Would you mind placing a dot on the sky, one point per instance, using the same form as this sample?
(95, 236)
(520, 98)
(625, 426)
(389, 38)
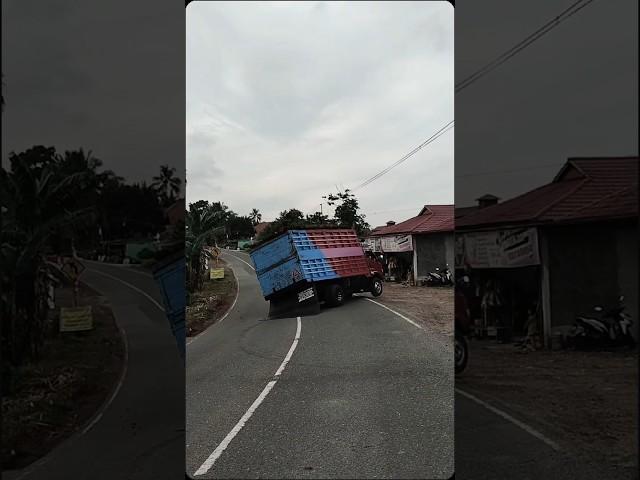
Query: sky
(572, 93)
(287, 102)
(104, 76)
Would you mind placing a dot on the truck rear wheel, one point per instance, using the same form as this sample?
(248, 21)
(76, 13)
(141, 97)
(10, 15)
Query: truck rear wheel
(336, 295)
(376, 287)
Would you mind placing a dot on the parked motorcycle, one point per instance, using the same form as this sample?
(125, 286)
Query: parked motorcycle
(440, 277)
(607, 328)
(462, 329)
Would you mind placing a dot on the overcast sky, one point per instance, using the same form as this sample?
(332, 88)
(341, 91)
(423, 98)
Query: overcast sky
(105, 76)
(572, 93)
(286, 101)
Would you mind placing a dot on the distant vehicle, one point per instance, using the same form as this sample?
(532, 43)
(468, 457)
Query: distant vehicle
(305, 266)
(170, 274)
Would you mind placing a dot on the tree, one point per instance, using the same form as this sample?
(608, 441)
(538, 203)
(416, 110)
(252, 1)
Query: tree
(167, 185)
(255, 216)
(202, 225)
(346, 213)
(319, 219)
(288, 219)
(239, 227)
(38, 204)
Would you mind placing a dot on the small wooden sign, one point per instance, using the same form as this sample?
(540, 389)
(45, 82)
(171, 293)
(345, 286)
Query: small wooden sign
(216, 273)
(76, 319)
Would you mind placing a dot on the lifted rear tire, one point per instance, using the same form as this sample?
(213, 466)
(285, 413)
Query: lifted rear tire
(376, 287)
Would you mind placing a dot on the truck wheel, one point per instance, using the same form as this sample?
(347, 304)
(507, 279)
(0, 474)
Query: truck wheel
(336, 295)
(376, 287)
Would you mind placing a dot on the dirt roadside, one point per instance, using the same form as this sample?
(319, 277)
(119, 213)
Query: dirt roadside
(212, 302)
(585, 401)
(59, 395)
(430, 306)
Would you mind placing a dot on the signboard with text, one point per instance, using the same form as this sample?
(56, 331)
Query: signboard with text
(517, 247)
(216, 273)
(396, 243)
(76, 319)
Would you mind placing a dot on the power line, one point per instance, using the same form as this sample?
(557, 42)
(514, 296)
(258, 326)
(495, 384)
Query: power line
(432, 138)
(499, 60)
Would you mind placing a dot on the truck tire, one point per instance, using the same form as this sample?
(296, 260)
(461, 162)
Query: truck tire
(336, 295)
(376, 287)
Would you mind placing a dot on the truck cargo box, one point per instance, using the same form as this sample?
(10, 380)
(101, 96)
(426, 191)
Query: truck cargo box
(299, 256)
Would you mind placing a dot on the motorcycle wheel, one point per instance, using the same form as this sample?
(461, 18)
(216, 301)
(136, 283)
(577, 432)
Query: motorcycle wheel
(461, 353)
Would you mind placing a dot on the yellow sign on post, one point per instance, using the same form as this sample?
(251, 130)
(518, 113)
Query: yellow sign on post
(76, 319)
(216, 273)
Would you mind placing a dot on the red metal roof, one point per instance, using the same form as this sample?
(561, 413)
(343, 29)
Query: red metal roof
(584, 189)
(431, 219)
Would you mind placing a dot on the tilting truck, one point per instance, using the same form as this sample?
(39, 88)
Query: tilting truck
(300, 269)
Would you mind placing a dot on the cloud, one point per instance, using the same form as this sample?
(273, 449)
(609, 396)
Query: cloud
(290, 100)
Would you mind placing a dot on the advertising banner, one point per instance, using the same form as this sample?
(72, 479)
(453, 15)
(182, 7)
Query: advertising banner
(517, 247)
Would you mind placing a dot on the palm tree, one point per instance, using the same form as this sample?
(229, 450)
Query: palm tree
(167, 185)
(255, 216)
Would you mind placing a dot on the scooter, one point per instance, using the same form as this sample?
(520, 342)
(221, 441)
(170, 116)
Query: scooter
(609, 328)
(440, 278)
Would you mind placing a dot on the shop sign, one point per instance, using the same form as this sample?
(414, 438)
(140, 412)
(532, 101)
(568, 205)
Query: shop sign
(396, 243)
(517, 247)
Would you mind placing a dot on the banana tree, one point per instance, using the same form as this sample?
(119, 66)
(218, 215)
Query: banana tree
(202, 228)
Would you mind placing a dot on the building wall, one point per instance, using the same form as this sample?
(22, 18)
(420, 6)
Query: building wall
(585, 268)
(433, 250)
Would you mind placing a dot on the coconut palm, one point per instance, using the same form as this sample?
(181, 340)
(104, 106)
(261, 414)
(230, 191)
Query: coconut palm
(167, 185)
(255, 216)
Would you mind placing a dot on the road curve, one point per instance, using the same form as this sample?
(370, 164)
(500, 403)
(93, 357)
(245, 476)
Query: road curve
(364, 394)
(140, 434)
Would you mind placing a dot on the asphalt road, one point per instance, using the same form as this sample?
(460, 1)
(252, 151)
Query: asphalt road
(140, 434)
(365, 394)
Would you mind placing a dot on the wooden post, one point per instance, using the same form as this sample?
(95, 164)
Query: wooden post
(545, 289)
(75, 293)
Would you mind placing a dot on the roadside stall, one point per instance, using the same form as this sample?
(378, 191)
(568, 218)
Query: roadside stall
(504, 269)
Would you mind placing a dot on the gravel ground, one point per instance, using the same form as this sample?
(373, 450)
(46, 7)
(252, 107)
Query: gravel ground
(430, 306)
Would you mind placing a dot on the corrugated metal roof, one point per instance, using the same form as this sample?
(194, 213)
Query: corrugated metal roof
(584, 189)
(431, 219)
